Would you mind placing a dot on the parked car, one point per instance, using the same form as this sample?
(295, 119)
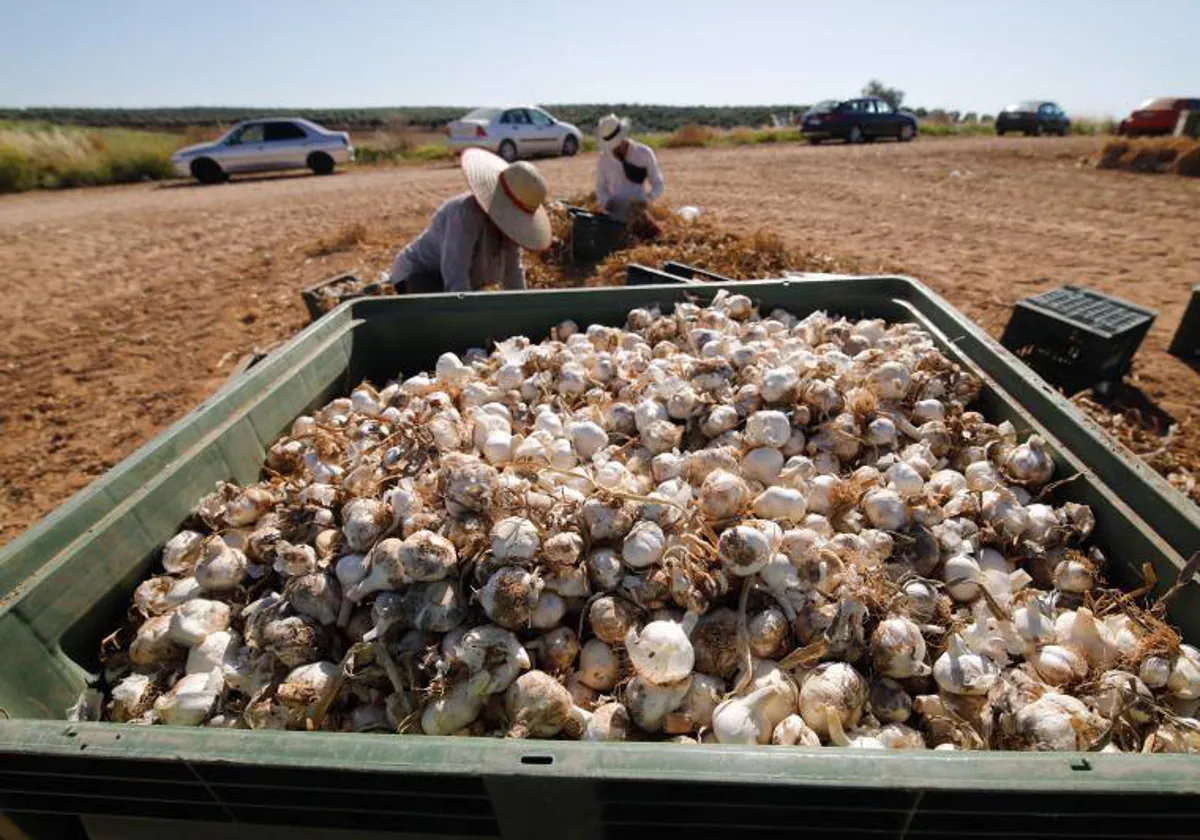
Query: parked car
(1033, 117)
(516, 132)
(1157, 116)
(264, 146)
(856, 120)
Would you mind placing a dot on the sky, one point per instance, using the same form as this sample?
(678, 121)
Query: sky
(1094, 58)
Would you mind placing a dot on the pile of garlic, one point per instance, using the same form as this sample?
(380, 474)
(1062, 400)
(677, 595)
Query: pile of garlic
(709, 526)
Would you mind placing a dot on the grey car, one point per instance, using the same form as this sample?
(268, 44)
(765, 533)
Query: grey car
(265, 146)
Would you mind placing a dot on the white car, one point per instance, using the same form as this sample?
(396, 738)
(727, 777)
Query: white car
(265, 145)
(515, 132)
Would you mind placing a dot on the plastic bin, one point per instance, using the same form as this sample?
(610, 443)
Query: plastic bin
(1186, 343)
(644, 275)
(1077, 338)
(593, 236)
(321, 297)
(67, 582)
(690, 272)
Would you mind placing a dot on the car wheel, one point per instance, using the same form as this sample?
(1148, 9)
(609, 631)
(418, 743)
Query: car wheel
(320, 163)
(508, 150)
(906, 133)
(999, 132)
(814, 141)
(570, 146)
(855, 136)
(207, 171)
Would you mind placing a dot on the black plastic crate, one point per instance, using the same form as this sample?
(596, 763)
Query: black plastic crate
(642, 275)
(1186, 343)
(324, 296)
(593, 236)
(1077, 338)
(690, 272)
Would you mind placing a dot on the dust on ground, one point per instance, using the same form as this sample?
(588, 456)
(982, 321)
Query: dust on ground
(125, 307)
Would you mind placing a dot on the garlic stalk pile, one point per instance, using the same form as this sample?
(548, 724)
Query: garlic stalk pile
(705, 526)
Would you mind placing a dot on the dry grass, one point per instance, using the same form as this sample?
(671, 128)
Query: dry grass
(38, 155)
(660, 236)
(347, 238)
(690, 136)
(1155, 155)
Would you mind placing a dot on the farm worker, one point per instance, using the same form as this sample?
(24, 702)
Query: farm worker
(628, 172)
(475, 239)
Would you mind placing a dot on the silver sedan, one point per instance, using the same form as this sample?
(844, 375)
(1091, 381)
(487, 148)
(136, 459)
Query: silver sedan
(264, 146)
(522, 131)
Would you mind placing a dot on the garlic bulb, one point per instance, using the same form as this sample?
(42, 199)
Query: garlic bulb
(962, 574)
(780, 504)
(959, 671)
(548, 611)
(1121, 693)
(195, 619)
(792, 731)
(643, 546)
(723, 495)
(217, 650)
(181, 553)
(509, 597)
(190, 700)
(752, 719)
(558, 650)
(363, 520)
(1184, 682)
(763, 465)
(898, 648)
(1055, 722)
(220, 568)
(599, 667)
(650, 703)
(661, 653)
(885, 509)
(1075, 576)
(768, 631)
(537, 706)
(458, 707)
(1155, 671)
(695, 711)
(888, 701)
(131, 698)
(1058, 665)
(744, 550)
(515, 539)
(493, 650)
(1029, 462)
(768, 428)
(832, 689)
(611, 619)
(609, 722)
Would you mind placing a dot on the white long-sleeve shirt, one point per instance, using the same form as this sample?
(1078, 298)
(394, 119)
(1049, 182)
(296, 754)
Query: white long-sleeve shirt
(611, 182)
(462, 246)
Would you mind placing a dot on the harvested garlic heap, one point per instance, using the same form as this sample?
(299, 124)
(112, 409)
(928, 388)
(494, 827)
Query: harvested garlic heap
(708, 526)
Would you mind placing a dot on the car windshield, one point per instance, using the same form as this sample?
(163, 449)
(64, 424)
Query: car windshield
(824, 107)
(1157, 105)
(1027, 105)
(482, 114)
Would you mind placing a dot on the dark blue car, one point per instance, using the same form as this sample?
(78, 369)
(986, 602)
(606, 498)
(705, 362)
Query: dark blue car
(857, 121)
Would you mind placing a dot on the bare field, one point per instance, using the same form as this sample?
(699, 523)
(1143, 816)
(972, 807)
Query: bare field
(124, 307)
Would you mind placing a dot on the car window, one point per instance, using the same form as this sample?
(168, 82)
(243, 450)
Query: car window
(516, 116)
(882, 107)
(276, 131)
(481, 114)
(539, 117)
(252, 133)
(824, 107)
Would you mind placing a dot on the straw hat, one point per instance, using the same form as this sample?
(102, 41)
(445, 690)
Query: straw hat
(512, 195)
(611, 130)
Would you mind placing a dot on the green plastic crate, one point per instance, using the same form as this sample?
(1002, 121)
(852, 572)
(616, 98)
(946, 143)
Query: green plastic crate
(67, 582)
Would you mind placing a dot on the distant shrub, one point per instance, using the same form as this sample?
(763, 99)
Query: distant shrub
(689, 136)
(37, 155)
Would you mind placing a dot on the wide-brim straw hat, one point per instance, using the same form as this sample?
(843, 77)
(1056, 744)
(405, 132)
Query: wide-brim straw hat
(512, 195)
(611, 130)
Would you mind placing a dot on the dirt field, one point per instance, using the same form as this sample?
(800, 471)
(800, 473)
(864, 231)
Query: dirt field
(125, 307)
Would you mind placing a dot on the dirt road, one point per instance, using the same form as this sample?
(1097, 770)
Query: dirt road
(124, 307)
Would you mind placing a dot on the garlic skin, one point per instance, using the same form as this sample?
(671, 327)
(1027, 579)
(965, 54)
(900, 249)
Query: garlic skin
(492, 650)
(509, 597)
(661, 653)
(220, 568)
(649, 703)
(885, 509)
(1058, 665)
(723, 495)
(1054, 723)
(832, 689)
(181, 553)
(609, 722)
(744, 550)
